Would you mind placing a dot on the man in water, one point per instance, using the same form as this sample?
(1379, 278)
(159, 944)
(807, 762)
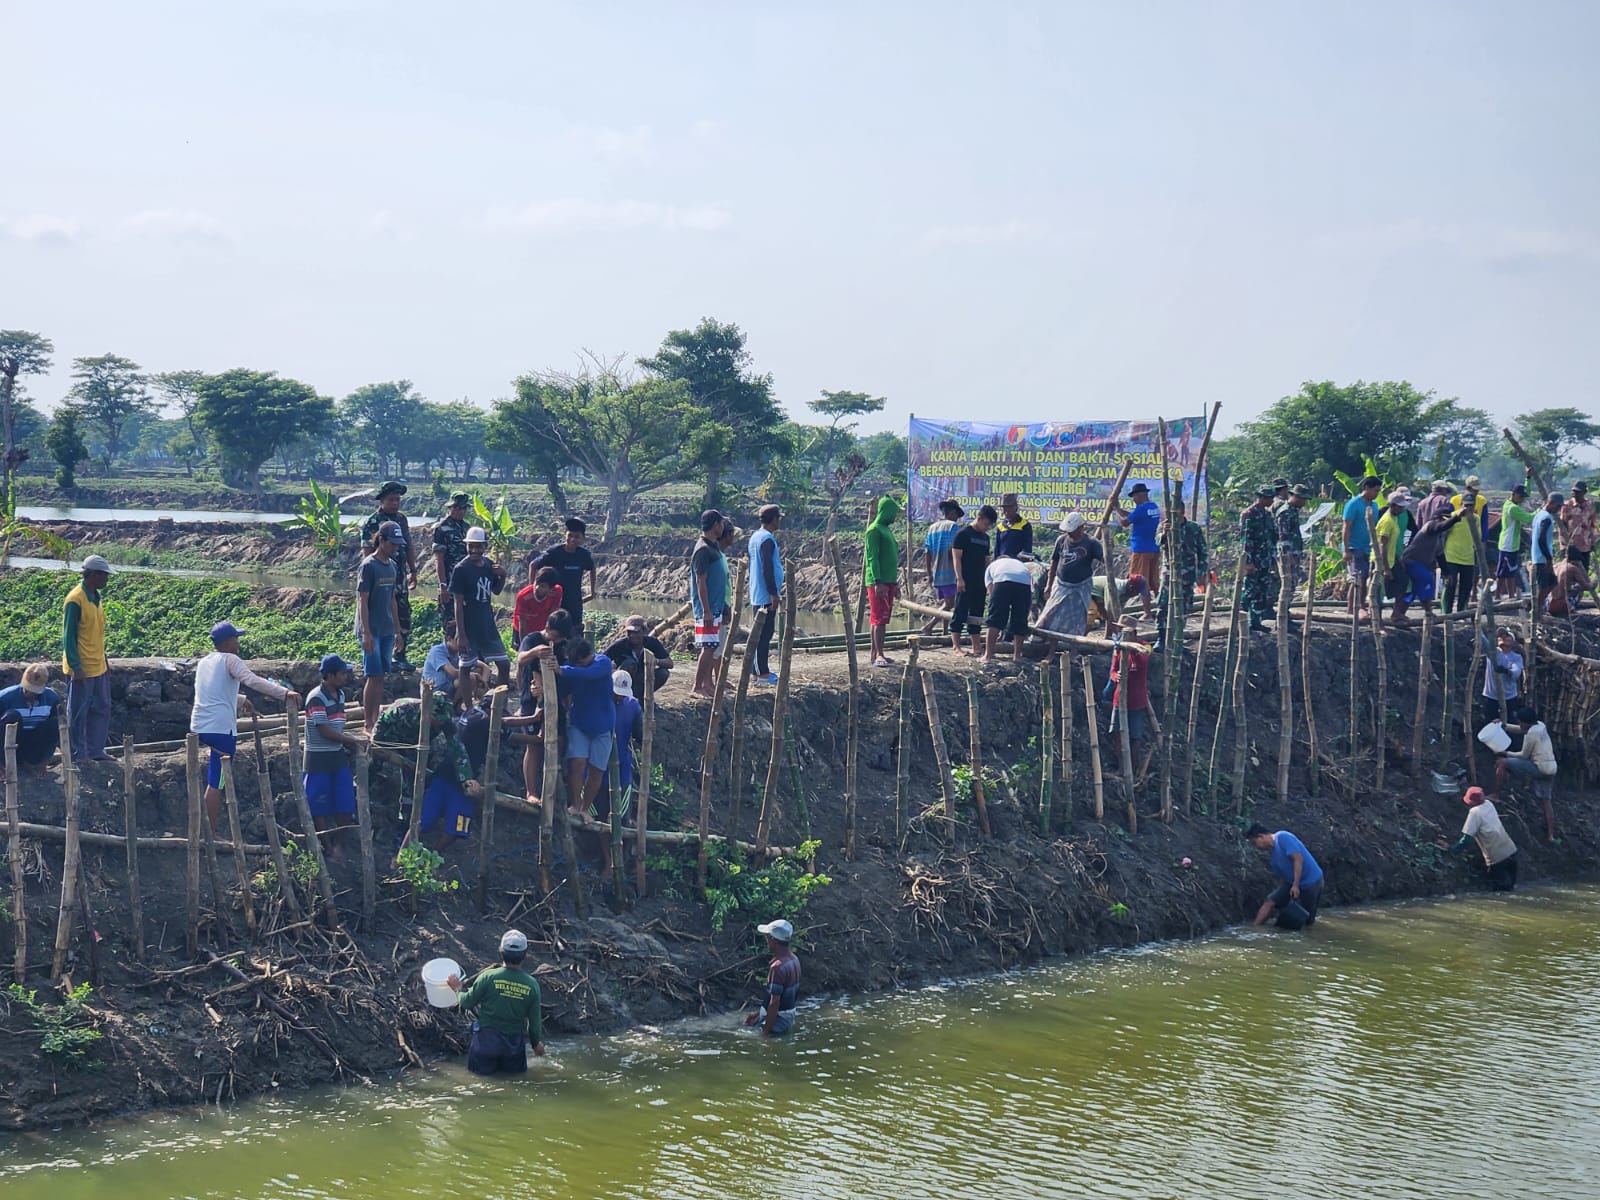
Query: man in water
(775, 1013)
(509, 1017)
(1483, 827)
(1292, 863)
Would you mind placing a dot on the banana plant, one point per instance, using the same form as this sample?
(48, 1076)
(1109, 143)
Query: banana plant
(13, 527)
(319, 515)
(499, 525)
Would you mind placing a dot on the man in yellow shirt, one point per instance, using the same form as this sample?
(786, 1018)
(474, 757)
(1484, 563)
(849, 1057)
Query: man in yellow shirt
(1461, 548)
(1391, 530)
(83, 658)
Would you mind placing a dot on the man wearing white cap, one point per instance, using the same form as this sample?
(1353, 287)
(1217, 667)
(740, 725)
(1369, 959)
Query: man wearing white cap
(509, 1014)
(474, 583)
(1066, 608)
(775, 1013)
(83, 658)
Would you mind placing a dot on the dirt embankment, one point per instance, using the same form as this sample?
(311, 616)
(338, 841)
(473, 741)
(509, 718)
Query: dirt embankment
(916, 905)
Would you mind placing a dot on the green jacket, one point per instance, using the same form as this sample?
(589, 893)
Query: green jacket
(882, 550)
(507, 999)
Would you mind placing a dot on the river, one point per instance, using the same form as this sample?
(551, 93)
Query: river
(1429, 1050)
(203, 516)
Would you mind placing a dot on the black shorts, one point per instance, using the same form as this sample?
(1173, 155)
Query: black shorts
(1581, 557)
(968, 610)
(493, 1052)
(1503, 874)
(1008, 608)
(1544, 574)
(1310, 898)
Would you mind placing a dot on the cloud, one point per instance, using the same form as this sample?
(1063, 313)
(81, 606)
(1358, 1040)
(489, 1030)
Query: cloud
(1006, 233)
(636, 147)
(175, 225)
(1505, 247)
(384, 224)
(46, 230)
(603, 216)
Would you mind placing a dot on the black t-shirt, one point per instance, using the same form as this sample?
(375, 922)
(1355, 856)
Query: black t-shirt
(472, 728)
(476, 582)
(1074, 561)
(572, 565)
(623, 655)
(974, 547)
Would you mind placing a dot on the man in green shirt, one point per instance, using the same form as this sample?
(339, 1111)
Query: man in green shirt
(881, 560)
(508, 1015)
(1513, 520)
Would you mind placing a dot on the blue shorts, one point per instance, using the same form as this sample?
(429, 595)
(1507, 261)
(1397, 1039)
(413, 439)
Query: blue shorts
(595, 747)
(1517, 765)
(444, 802)
(222, 745)
(485, 645)
(380, 658)
(329, 793)
(1508, 565)
(1360, 564)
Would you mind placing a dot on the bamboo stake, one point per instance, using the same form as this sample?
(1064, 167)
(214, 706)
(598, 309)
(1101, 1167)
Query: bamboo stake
(780, 705)
(1424, 682)
(118, 841)
(619, 872)
(419, 775)
(269, 816)
(569, 847)
(491, 771)
(1466, 704)
(192, 861)
(1194, 701)
(552, 773)
(641, 818)
(1355, 638)
(1066, 737)
(1305, 679)
(19, 881)
(1169, 637)
(1533, 471)
(239, 864)
(69, 870)
(902, 770)
(736, 773)
(296, 772)
(947, 779)
(130, 829)
(1047, 733)
(1091, 719)
(1285, 682)
(853, 705)
(975, 755)
(1449, 683)
(708, 760)
(1241, 741)
(369, 866)
(662, 626)
(1093, 645)
(1381, 657)
(791, 754)
(1228, 660)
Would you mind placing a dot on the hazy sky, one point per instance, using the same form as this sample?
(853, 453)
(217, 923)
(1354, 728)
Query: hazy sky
(997, 211)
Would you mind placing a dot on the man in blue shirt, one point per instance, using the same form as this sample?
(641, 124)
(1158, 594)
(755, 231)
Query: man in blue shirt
(1142, 521)
(32, 706)
(1544, 549)
(1291, 862)
(1358, 540)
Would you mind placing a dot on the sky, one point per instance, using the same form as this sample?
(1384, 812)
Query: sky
(988, 211)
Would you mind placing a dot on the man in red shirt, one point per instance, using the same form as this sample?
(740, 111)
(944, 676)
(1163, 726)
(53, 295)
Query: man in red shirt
(535, 603)
(1137, 666)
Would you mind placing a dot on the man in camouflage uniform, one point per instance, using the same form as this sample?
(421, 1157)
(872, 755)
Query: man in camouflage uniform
(1194, 564)
(450, 547)
(1258, 531)
(389, 510)
(1291, 542)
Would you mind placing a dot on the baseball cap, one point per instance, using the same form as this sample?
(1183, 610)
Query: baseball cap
(223, 630)
(1473, 481)
(459, 498)
(96, 562)
(1072, 522)
(1443, 485)
(1519, 490)
(476, 534)
(621, 684)
(390, 531)
(513, 940)
(1395, 497)
(332, 663)
(635, 624)
(780, 930)
(709, 518)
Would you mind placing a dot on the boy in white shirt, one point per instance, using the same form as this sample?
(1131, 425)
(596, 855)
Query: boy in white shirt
(217, 705)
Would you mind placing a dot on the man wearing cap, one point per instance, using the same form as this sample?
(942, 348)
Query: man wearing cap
(766, 590)
(1535, 760)
(329, 781)
(1142, 521)
(629, 651)
(1194, 566)
(629, 732)
(1292, 863)
(1258, 533)
(378, 615)
(970, 552)
(31, 705)
(1014, 535)
(1066, 608)
(217, 705)
(940, 561)
(389, 512)
(83, 659)
(572, 561)
(509, 1017)
(1578, 523)
(1391, 531)
(1514, 518)
(1436, 503)
(1357, 541)
(473, 585)
(776, 1010)
(1462, 545)
(708, 596)
(1418, 561)
(1291, 542)
(450, 546)
(1484, 827)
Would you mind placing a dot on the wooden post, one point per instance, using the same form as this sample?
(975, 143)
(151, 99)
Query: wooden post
(491, 772)
(1472, 675)
(1124, 742)
(569, 847)
(549, 791)
(1305, 677)
(619, 873)
(19, 881)
(791, 755)
(1533, 471)
(313, 842)
(975, 756)
(708, 760)
(1091, 713)
(130, 829)
(902, 769)
(1355, 687)
(1066, 736)
(236, 835)
(1449, 672)
(419, 776)
(369, 866)
(1285, 682)
(641, 819)
(1228, 656)
(947, 780)
(852, 702)
(1170, 626)
(1194, 700)
(1380, 737)
(741, 693)
(69, 870)
(1047, 734)
(191, 873)
(1241, 742)
(269, 816)
(1424, 683)
(780, 705)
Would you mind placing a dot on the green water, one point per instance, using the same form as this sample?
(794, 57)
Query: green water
(1429, 1050)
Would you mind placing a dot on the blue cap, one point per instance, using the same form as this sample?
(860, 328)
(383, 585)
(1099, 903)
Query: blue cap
(223, 630)
(390, 531)
(332, 663)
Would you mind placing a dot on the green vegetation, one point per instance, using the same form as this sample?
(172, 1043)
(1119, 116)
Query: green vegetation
(302, 871)
(67, 447)
(68, 1034)
(419, 868)
(782, 887)
(318, 514)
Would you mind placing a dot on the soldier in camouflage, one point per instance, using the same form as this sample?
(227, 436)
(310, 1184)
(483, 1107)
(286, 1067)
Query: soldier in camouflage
(450, 546)
(1291, 542)
(1259, 533)
(1194, 564)
(389, 510)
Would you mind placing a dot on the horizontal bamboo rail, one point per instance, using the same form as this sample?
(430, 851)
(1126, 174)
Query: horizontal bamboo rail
(57, 833)
(1096, 645)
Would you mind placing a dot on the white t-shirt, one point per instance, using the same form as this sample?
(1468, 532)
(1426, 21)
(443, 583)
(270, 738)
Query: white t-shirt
(1007, 570)
(216, 692)
(1536, 745)
(1483, 825)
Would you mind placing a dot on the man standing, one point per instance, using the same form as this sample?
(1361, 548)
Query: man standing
(509, 1016)
(450, 547)
(1014, 537)
(474, 584)
(765, 589)
(591, 721)
(217, 705)
(1579, 523)
(940, 563)
(1513, 520)
(1066, 608)
(1494, 843)
(31, 706)
(389, 513)
(1436, 503)
(1536, 760)
(328, 780)
(573, 560)
(1194, 565)
(1010, 589)
(708, 595)
(1292, 863)
(970, 553)
(1391, 530)
(1280, 493)
(1142, 521)
(1544, 549)
(1258, 532)
(1571, 583)
(881, 573)
(1418, 560)
(535, 603)
(1291, 542)
(629, 651)
(1132, 666)
(1357, 541)
(1461, 547)
(378, 616)
(776, 1010)
(83, 658)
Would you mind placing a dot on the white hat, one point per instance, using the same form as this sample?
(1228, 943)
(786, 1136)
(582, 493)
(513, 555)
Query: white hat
(513, 940)
(1072, 522)
(475, 534)
(96, 563)
(622, 684)
(779, 930)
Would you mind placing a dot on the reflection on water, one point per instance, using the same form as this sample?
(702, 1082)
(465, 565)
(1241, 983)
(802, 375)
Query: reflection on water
(1430, 1050)
(207, 516)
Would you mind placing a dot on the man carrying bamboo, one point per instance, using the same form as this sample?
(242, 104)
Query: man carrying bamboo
(1258, 532)
(217, 705)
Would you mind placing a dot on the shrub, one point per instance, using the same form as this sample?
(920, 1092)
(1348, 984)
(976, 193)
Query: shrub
(68, 1036)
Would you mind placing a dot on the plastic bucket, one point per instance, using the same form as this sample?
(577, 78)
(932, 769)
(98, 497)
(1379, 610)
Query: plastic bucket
(1293, 915)
(434, 974)
(1495, 737)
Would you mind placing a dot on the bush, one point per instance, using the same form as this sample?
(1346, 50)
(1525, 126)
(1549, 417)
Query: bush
(781, 888)
(68, 1036)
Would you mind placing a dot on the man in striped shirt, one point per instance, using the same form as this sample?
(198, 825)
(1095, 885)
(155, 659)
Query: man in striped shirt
(775, 1013)
(329, 781)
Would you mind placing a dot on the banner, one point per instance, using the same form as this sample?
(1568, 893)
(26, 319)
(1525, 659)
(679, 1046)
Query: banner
(1054, 467)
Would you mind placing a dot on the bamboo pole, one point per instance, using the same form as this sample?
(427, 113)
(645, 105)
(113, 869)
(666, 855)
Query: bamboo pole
(269, 816)
(1449, 682)
(975, 755)
(1355, 650)
(1313, 762)
(641, 818)
(1424, 683)
(1228, 659)
(1194, 700)
(1285, 682)
(741, 694)
(192, 860)
(549, 798)
(369, 867)
(1047, 733)
(853, 704)
(662, 626)
(1066, 737)
(1241, 671)
(780, 705)
(791, 754)
(619, 873)
(941, 756)
(130, 829)
(118, 841)
(419, 775)
(1527, 461)
(19, 880)
(902, 769)
(1091, 719)
(296, 773)
(708, 759)
(69, 870)
(1169, 638)
(569, 847)
(1093, 645)
(239, 865)
(1380, 736)
(491, 771)
(1466, 705)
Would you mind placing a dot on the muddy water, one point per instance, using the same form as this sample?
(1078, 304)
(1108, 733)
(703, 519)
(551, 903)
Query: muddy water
(1429, 1050)
(206, 516)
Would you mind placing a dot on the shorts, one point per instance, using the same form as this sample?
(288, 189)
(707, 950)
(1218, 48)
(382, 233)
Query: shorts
(880, 602)
(1310, 899)
(1544, 574)
(1508, 565)
(1360, 564)
(445, 805)
(1581, 557)
(331, 793)
(1148, 564)
(945, 591)
(494, 1053)
(1503, 874)
(708, 632)
(1422, 582)
(378, 660)
(222, 745)
(1526, 767)
(1136, 721)
(785, 1021)
(968, 610)
(485, 645)
(1008, 608)
(594, 747)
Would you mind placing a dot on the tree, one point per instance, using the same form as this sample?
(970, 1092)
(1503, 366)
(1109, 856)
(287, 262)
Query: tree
(109, 393)
(838, 436)
(1550, 435)
(180, 391)
(461, 425)
(66, 446)
(387, 417)
(1460, 442)
(711, 359)
(250, 415)
(22, 352)
(511, 434)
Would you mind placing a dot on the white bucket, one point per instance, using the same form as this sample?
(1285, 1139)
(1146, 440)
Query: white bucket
(1495, 737)
(434, 974)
